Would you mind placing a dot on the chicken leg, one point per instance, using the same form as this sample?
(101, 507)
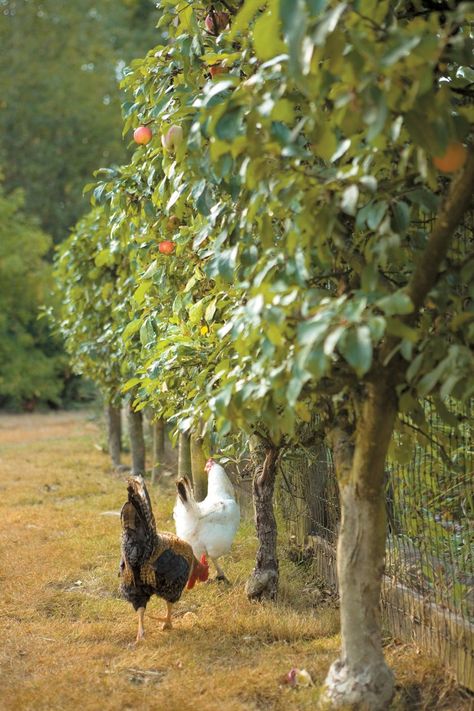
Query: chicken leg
(220, 573)
(141, 630)
(166, 620)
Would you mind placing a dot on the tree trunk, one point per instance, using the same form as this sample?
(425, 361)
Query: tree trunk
(198, 461)
(184, 455)
(114, 433)
(263, 582)
(137, 441)
(158, 449)
(361, 677)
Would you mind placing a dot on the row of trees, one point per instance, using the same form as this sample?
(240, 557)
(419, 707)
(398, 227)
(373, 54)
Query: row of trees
(310, 290)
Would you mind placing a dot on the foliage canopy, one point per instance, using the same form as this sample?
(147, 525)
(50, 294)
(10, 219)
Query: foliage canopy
(29, 362)
(304, 189)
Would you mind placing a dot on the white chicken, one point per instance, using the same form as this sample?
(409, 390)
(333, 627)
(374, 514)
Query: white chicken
(209, 526)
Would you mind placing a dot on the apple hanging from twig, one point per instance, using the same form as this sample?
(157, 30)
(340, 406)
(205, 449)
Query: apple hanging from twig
(215, 22)
(172, 139)
(166, 247)
(216, 69)
(453, 158)
(142, 135)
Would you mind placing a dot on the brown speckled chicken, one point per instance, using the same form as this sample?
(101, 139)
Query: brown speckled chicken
(153, 563)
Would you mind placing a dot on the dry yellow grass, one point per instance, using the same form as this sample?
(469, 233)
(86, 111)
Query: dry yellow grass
(65, 632)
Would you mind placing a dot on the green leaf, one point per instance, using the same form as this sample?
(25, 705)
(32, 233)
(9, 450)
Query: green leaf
(103, 257)
(210, 311)
(245, 16)
(229, 126)
(401, 217)
(397, 303)
(142, 291)
(147, 332)
(356, 347)
(376, 214)
(332, 340)
(196, 312)
(131, 328)
(349, 200)
(130, 384)
(266, 36)
(311, 331)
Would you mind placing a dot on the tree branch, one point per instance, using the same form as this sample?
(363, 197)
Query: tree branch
(450, 215)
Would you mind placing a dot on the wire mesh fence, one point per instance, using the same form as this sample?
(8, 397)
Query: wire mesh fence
(428, 587)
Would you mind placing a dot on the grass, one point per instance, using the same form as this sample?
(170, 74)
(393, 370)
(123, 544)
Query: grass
(66, 634)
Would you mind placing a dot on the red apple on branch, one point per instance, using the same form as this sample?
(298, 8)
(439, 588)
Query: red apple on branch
(172, 139)
(142, 135)
(215, 22)
(217, 69)
(166, 247)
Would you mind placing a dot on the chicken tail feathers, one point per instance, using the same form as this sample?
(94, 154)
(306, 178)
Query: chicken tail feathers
(138, 525)
(138, 496)
(185, 491)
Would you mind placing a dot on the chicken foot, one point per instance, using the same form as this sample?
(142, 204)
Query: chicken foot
(220, 573)
(167, 625)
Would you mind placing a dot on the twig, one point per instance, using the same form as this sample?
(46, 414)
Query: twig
(444, 455)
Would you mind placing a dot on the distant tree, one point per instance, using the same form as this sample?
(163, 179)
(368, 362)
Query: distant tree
(59, 98)
(30, 366)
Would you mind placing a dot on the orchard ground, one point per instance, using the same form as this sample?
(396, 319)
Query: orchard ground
(65, 633)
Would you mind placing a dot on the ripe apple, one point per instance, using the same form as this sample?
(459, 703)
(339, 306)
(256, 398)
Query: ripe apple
(142, 135)
(217, 69)
(453, 158)
(166, 247)
(215, 22)
(172, 139)
(173, 223)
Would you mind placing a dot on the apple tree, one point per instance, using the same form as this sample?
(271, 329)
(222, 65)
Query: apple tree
(95, 282)
(313, 187)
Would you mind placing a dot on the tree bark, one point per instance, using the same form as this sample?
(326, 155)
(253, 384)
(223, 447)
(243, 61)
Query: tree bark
(360, 678)
(198, 461)
(158, 449)
(263, 582)
(137, 441)
(114, 432)
(184, 455)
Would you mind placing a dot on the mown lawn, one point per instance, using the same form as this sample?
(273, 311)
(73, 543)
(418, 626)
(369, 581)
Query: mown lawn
(66, 634)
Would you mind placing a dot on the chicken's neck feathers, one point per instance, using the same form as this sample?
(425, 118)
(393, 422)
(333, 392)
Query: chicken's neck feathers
(219, 484)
